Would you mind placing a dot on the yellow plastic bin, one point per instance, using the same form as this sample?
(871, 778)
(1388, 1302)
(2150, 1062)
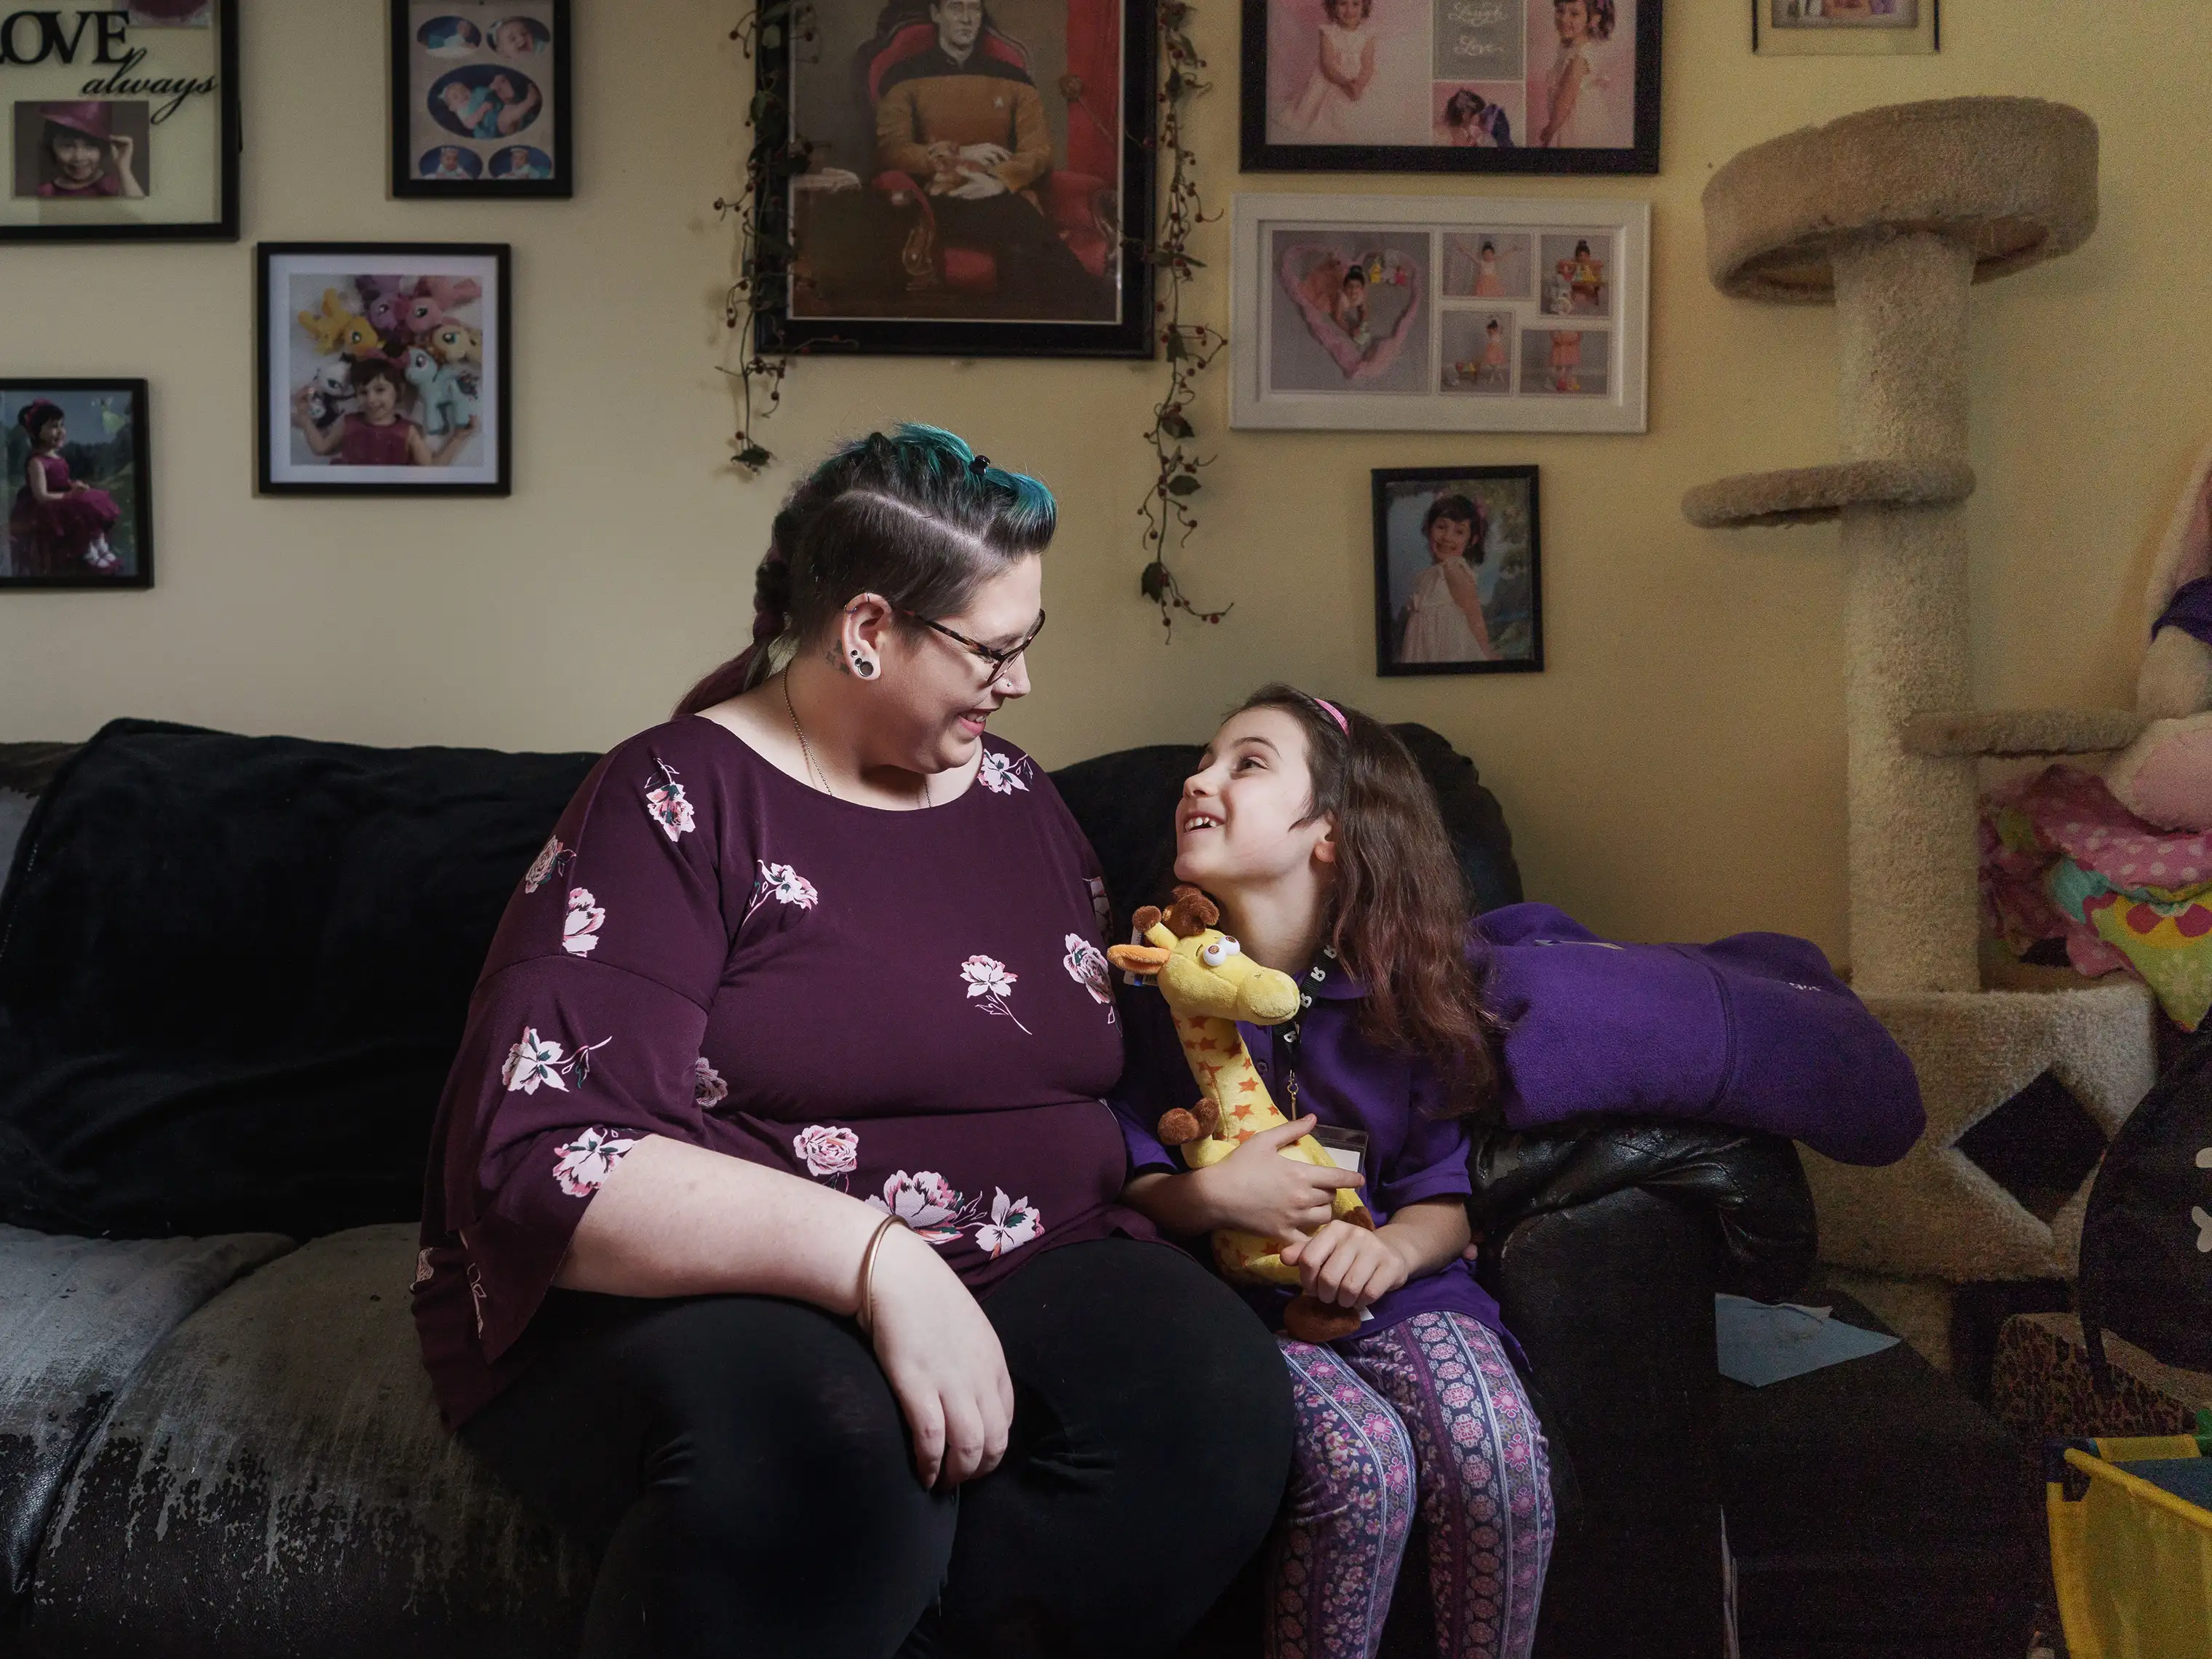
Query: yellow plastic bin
(2131, 1545)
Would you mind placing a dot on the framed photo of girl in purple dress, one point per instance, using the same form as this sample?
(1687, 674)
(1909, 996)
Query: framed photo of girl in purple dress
(79, 502)
(1450, 86)
(1457, 571)
(977, 178)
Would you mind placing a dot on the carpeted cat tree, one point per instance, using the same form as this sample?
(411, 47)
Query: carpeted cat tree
(1891, 214)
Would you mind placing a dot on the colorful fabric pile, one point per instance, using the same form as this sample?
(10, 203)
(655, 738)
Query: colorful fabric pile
(2062, 859)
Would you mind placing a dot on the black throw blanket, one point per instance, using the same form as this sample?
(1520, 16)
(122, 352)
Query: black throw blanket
(233, 970)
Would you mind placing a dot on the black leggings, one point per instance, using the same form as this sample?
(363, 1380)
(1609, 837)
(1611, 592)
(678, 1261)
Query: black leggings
(743, 1465)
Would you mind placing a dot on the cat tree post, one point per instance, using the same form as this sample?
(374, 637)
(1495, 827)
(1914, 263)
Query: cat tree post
(1891, 214)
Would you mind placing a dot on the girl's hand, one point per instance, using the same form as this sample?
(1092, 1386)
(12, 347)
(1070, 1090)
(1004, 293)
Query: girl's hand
(1259, 1190)
(944, 1361)
(1350, 1267)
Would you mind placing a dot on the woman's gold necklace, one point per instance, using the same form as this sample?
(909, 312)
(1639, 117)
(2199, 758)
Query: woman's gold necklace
(806, 751)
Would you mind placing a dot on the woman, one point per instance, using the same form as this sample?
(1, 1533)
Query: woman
(812, 961)
(1445, 622)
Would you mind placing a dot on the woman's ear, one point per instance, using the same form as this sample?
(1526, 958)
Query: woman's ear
(859, 646)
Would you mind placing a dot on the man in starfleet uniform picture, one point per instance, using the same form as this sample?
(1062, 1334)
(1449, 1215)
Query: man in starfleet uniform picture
(969, 128)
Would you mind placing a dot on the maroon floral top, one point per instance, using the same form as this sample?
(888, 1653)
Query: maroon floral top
(912, 1007)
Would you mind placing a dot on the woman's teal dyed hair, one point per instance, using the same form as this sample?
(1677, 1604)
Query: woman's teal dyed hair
(916, 516)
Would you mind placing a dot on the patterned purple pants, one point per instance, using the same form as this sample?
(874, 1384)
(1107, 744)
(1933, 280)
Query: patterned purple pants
(1427, 1412)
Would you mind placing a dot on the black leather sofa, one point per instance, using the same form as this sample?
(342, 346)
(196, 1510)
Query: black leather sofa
(216, 1439)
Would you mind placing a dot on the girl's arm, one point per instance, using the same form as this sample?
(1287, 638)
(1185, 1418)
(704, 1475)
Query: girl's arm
(1255, 1189)
(1328, 71)
(35, 476)
(122, 151)
(443, 455)
(1566, 104)
(1468, 598)
(1366, 70)
(1352, 1268)
(323, 443)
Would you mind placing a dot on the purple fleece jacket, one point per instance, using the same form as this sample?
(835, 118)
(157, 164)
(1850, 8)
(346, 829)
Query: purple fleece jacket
(1754, 1032)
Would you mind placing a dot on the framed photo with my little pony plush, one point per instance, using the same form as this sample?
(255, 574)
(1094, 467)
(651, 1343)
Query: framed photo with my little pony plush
(1450, 86)
(80, 503)
(480, 99)
(383, 369)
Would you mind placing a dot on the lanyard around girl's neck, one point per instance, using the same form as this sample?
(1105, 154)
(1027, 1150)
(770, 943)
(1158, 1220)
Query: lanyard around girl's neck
(1286, 1044)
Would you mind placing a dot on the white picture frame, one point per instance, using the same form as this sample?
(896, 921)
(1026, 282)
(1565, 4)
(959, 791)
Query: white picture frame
(1387, 314)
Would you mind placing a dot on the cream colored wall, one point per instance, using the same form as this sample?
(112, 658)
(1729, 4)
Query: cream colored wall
(1676, 771)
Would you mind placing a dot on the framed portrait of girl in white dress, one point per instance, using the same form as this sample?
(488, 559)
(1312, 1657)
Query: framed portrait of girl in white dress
(1458, 586)
(1451, 86)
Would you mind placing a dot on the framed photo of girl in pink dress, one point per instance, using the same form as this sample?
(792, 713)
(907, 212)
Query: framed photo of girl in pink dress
(80, 503)
(1458, 587)
(1451, 86)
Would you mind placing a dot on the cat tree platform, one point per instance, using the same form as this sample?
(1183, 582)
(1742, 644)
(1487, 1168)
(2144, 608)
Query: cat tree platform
(1892, 215)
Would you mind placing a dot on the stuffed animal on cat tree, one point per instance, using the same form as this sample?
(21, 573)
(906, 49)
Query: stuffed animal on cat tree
(1210, 984)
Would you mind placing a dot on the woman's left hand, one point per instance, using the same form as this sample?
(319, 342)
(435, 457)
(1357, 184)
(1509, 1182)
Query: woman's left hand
(1350, 1267)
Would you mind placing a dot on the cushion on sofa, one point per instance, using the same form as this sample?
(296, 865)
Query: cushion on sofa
(277, 1482)
(78, 1316)
(233, 970)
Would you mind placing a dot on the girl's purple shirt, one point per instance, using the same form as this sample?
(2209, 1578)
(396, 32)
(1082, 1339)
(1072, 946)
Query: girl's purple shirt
(912, 1008)
(1754, 1031)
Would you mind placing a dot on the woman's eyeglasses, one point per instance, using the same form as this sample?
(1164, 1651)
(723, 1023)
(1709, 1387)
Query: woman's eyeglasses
(998, 659)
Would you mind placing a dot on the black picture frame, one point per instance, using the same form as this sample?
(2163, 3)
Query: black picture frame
(229, 140)
(497, 378)
(1132, 335)
(1393, 484)
(12, 400)
(406, 183)
(1256, 154)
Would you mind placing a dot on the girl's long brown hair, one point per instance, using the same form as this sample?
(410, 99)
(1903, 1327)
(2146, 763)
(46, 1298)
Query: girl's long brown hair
(1399, 910)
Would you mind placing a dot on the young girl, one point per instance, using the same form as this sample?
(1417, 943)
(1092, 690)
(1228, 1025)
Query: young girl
(1489, 281)
(378, 435)
(1494, 369)
(1445, 622)
(1576, 110)
(57, 524)
(1314, 830)
(1343, 65)
(86, 157)
(1470, 121)
(1566, 360)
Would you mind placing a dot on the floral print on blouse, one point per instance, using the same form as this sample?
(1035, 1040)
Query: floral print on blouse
(911, 1008)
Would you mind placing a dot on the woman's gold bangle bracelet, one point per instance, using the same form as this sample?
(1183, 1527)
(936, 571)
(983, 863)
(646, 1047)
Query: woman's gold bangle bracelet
(864, 1315)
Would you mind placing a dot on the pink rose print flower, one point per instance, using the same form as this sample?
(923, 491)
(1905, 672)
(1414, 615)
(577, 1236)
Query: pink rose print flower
(785, 885)
(425, 1271)
(708, 1089)
(550, 858)
(579, 932)
(666, 801)
(1013, 1224)
(537, 1060)
(988, 978)
(478, 1295)
(924, 1201)
(1001, 774)
(828, 1151)
(1086, 965)
(587, 1160)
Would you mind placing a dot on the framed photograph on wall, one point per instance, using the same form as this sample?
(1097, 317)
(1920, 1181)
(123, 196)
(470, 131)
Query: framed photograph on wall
(480, 99)
(1845, 27)
(1458, 587)
(1450, 86)
(977, 175)
(80, 502)
(383, 369)
(122, 122)
(1439, 313)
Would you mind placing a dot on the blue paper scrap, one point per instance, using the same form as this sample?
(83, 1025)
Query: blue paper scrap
(1763, 1342)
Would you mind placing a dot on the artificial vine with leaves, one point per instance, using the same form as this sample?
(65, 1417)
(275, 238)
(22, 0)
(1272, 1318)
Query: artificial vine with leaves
(773, 29)
(1189, 347)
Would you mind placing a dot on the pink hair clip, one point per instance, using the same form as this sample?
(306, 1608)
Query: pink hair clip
(1334, 714)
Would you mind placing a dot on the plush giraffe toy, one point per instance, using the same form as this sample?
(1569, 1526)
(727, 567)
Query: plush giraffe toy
(1210, 984)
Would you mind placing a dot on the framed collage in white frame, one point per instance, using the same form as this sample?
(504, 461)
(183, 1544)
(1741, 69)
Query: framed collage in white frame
(1440, 314)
